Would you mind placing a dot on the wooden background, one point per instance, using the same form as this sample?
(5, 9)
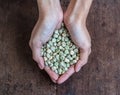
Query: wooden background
(20, 75)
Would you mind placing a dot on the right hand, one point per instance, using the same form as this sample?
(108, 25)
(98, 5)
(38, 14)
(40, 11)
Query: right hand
(50, 18)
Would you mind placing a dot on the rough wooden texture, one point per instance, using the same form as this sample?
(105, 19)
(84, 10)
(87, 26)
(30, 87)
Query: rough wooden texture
(19, 74)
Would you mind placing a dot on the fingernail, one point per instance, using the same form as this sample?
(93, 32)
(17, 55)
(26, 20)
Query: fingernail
(54, 80)
(77, 70)
(40, 66)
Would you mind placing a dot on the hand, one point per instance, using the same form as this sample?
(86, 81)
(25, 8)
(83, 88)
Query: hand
(50, 18)
(75, 21)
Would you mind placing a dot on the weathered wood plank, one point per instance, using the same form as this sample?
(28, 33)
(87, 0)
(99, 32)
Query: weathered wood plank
(19, 74)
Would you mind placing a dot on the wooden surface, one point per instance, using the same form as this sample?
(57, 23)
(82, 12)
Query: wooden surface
(20, 75)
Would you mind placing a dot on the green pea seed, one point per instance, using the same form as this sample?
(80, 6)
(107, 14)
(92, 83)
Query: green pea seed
(67, 60)
(53, 40)
(66, 52)
(60, 71)
(53, 68)
(67, 65)
(72, 52)
(56, 32)
(56, 71)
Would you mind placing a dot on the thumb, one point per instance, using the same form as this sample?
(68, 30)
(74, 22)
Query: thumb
(36, 53)
(84, 54)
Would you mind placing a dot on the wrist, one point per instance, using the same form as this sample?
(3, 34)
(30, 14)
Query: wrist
(79, 9)
(47, 3)
(74, 19)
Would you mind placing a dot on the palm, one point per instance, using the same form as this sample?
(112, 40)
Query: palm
(81, 38)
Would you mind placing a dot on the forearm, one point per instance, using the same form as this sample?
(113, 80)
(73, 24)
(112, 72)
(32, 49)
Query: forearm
(80, 8)
(48, 7)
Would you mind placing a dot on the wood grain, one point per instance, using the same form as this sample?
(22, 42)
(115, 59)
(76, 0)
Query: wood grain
(20, 75)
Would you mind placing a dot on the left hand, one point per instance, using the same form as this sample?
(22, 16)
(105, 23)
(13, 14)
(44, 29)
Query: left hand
(80, 36)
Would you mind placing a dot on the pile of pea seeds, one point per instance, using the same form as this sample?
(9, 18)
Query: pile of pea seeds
(60, 52)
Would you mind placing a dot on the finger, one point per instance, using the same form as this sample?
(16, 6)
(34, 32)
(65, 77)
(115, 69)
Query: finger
(41, 64)
(83, 60)
(52, 74)
(90, 51)
(53, 80)
(37, 57)
(66, 75)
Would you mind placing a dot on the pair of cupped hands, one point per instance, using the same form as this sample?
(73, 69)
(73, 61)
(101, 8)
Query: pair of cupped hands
(50, 18)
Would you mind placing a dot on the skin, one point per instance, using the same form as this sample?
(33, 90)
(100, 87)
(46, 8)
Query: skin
(75, 21)
(50, 18)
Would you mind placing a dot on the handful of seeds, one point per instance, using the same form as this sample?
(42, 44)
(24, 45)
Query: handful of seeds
(59, 52)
